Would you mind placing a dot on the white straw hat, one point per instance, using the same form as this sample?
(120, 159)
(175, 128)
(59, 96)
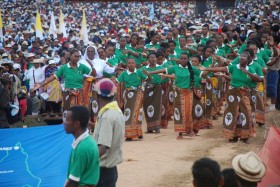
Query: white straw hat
(249, 167)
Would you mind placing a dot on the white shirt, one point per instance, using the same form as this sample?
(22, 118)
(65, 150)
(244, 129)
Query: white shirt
(39, 75)
(99, 65)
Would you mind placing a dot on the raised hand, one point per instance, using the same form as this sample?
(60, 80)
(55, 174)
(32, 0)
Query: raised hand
(270, 41)
(36, 87)
(125, 52)
(145, 72)
(201, 68)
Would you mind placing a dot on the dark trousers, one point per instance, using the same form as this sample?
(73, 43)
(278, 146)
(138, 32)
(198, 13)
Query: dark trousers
(53, 107)
(108, 177)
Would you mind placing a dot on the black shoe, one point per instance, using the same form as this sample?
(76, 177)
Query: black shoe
(128, 139)
(215, 117)
(149, 132)
(140, 137)
(260, 124)
(245, 140)
(234, 140)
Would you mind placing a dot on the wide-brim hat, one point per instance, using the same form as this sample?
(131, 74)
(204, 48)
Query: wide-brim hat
(30, 55)
(6, 62)
(51, 62)
(4, 55)
(16, 66)
(38, 60)
(249, 167)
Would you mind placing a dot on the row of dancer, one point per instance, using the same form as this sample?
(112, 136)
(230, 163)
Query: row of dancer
(212, 87)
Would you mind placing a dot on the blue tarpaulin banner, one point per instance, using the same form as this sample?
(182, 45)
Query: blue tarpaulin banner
(34, 157)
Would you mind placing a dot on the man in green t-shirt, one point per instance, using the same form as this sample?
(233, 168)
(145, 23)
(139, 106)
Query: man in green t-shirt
(83, 169)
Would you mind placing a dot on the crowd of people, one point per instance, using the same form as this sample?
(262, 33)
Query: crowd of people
(160, 60)
(170, 63)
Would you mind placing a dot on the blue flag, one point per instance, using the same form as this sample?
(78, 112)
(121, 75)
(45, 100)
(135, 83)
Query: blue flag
(152, 12)
(34, 157)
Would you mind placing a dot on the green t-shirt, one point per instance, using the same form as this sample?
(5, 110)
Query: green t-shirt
(176, 40)
(174, 55)
(192, 47)
(267, 51)
(84, 163)
(30, 65)
(204, 40)
(208, 63)
(73, 77)
(138, 60)
(113, 61)
(239, 78)
(258, 69)
(182, 75)
(168, 63)
(179, 51)
(155, 78)
(227, 48)
(262, 54)
(150, 45)
(257, 64)
(260, 61)
(122, 57)
(132, 79)
(197, 81)
(242, 48)
(235, 61)
(221, 51)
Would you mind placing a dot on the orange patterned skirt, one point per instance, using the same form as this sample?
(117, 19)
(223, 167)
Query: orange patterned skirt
(237, 120)
(133, 113)
(183, 120)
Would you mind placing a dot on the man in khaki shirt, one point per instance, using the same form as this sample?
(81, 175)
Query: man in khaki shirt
(109, 134)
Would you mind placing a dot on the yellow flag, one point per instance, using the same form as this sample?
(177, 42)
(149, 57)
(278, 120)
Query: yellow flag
(1, 22)
(38, 27)
(1, 27)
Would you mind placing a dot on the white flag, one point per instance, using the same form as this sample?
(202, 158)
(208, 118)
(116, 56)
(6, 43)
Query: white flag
(84, 31)
(53, 29)
(62, 28)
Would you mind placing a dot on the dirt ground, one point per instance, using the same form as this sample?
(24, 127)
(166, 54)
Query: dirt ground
(160, 160)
